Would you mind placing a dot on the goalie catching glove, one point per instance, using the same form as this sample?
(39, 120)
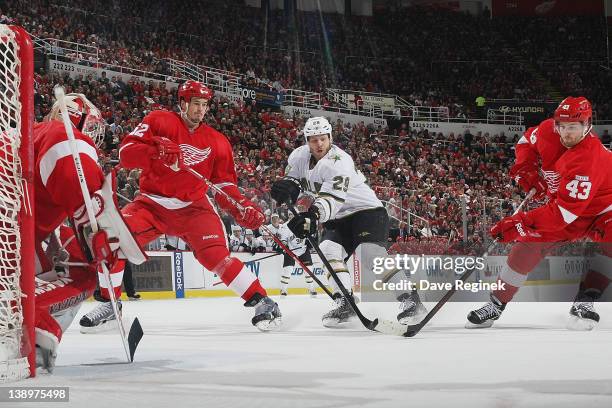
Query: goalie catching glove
(285, 191)
(113, 239)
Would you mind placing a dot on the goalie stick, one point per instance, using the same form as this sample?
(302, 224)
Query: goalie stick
(130, 342)
(413, 329)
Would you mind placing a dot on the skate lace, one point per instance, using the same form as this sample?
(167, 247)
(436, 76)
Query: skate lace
(487, 311)
(585, 307)
(407, 303)
(99, 312)
(264, 305)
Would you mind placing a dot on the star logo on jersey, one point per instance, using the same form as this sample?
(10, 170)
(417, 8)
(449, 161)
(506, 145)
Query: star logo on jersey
(335, 157)
(193, 155)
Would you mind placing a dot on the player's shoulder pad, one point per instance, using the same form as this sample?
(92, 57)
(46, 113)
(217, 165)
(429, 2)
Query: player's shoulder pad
(161, 115)
(337, 158)
(297, 155)
(546, 127)
(530, 136)
(54, 131)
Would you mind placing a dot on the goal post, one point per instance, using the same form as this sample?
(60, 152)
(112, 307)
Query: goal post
(17, 341)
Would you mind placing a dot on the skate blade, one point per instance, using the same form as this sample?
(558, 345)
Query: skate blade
(483, 325)
(576, 323)
(335, 322)
(331, 322)
(107, 326)
(269, 325)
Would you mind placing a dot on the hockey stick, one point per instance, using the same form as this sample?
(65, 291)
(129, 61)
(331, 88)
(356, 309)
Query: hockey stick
(274, 237)
(379, 325)
(413, 329)
(262, 258)
(131, 341)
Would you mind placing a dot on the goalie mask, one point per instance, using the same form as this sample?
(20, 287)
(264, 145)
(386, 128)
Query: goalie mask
(84, 116)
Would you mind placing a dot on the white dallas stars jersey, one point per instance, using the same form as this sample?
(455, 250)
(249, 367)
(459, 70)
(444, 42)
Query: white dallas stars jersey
(272, 229)
(235, 242)
(340, 189)
(295, 244)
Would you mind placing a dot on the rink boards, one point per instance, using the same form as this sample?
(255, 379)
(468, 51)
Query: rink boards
(178, 274)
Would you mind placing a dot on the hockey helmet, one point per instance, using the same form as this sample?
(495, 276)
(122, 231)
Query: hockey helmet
(317, 125)
(190, 89)
(575, 109)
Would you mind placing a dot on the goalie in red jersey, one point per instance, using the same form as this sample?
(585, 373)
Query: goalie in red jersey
(173, 201)
(577, 180)
(65, 270)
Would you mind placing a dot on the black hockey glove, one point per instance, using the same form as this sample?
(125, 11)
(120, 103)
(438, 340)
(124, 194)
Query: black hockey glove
(285, 190)
(305, 224)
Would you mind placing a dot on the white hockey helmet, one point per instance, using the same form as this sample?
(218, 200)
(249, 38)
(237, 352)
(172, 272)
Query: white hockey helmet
(84, 116)
(248, 232)
(317, 125)
(236, 228)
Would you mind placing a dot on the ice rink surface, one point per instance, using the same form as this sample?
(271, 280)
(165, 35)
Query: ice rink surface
(205, 353)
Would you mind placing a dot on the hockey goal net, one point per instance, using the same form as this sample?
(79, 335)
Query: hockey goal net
(17, 350)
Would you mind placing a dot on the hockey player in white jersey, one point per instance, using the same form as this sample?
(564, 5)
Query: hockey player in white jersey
(275, 222)
(353, 217)
(300, 248)
(270, 245)
(236, 239)
(254, 244)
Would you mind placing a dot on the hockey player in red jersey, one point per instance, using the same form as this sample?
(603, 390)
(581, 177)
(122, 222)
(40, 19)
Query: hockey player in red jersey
(58, 197)
(173, 201)
(576, 178)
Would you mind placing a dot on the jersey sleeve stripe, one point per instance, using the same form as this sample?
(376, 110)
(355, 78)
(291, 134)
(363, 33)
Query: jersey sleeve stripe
(124, 146)
(221, 186)
(523, 140)
(341, 200)
(61, 150)
(568, 216)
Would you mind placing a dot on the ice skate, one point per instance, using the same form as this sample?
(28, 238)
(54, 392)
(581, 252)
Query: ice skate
(583, 316)
(485, 316)
(100, 319)
(267, 314)
(412, 308)
(340, 314)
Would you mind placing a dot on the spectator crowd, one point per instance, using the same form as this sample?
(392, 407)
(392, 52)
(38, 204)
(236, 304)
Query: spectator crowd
(432, 183)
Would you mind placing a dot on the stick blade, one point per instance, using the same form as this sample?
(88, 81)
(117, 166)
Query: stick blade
(412, 330)
(388, 327)
(134, 337)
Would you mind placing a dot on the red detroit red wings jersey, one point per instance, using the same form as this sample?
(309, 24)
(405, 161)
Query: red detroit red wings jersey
(56, 185)
(584, 188)
(205, 150)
